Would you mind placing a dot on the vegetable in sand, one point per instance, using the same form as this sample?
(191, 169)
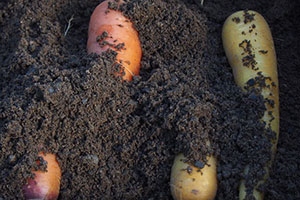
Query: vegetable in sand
(110, 29)
(250, 50)
(45, 184)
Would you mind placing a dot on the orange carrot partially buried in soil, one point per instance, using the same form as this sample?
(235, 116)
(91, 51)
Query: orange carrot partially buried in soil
(110, 29)
(46, 184)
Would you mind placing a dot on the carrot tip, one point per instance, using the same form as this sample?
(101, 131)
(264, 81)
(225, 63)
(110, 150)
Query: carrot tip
(46, 184)
(34, 190)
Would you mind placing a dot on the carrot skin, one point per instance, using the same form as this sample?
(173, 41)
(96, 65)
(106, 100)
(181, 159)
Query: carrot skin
(191, 183)
(110, 29)
(45, 185)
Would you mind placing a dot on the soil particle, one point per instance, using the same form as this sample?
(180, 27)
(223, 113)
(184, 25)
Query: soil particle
(248, 17)
(116, 139)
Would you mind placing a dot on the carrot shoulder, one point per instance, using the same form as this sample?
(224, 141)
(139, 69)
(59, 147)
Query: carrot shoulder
(110, 29)
(189, 182)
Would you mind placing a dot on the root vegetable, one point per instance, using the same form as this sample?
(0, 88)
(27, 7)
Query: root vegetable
(45, 184)
(192, 183)
(110, 29)
(250, 50)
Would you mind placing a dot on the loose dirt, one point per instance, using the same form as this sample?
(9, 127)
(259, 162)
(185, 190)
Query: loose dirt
(117, 140)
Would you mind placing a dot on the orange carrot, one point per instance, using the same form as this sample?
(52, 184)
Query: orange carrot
(110, 29)
(46, 184)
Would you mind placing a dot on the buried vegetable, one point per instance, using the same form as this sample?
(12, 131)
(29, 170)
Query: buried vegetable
(249, 47)
(110, 29)
(192, 183)
(45, 184)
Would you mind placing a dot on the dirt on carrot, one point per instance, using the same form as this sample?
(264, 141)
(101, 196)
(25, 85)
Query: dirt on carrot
(117, 140)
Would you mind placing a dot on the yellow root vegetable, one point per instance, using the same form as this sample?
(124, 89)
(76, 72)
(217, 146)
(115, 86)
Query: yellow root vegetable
(250, 51)
(190, 183)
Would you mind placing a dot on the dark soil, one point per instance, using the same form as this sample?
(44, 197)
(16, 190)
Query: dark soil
(117, 140)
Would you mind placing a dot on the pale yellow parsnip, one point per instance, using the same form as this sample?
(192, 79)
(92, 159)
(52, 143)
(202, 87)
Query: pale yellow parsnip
(234, 33)
(250, 51)
(257, 33)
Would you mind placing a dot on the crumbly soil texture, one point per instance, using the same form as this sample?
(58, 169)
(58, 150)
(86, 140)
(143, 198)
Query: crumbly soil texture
(116, 139)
